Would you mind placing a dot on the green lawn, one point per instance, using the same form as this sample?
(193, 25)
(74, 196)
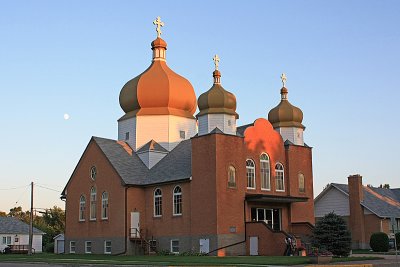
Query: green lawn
(166, 260)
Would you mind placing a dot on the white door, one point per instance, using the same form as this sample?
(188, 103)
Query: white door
(60, 246)
(253, 245)
(204, 245)
(135, 225)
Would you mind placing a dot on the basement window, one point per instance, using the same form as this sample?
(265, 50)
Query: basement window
(175, 246)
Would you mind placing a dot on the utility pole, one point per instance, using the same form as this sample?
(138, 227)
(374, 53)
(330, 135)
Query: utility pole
(31, 223)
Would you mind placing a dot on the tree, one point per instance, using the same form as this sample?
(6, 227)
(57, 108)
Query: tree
(3, 214)
(52, 222)
(331, 233)
(18, 213)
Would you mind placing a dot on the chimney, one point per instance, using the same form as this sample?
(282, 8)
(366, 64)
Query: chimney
(357, 219)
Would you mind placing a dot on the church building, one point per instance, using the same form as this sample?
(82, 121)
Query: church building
(178, 180)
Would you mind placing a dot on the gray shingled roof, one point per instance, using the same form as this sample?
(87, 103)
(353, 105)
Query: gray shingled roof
(175, 166)
(152, 146)
(240, 130)
(11, 225)
(373, 203)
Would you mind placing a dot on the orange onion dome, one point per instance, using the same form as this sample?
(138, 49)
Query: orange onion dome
(158, 90)
(285, 114)
(217, 100)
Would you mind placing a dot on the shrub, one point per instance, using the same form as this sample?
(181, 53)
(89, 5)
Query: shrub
(379, 242)
(398, 240)
(49, 247)
(331, 234)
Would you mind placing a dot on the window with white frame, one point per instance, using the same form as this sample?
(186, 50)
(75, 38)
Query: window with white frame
(177, 201)
(6, 240)
(107, 247)
(82, 207)
(302, 186)
(251, 174)
(175, 246)
(265, 172)
(157, 202)
(279, 177)
(104, 205)
(231, 176)
(88, 247)
(72, 247)
(93, 203)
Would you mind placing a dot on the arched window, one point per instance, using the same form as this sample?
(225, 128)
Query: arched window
(177, 201)
(265, 172)
(251, 174)
(93, 203)
(104, 205)
(302, 185)
(231, 176)
(157, 203)
(82, 206)
(279, 177)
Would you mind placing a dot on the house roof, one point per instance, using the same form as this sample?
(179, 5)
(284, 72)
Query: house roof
(175, 166)
(12, 225)
(152, 146)
(385, 203)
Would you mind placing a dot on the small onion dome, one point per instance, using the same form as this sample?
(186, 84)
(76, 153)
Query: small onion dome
(217, 100)
(285, 114)
(158, 90)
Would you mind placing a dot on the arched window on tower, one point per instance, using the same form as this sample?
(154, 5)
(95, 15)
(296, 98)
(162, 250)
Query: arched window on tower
(177, 201)
(279, 177)
(93, 203)
(157, 202)
(251, 174)
(104, 205)
(265, 172)
(231, 176)
(82, 207)
(302, 185)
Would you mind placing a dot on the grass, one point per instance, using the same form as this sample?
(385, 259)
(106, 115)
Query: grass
(369, 251)
(167, 260)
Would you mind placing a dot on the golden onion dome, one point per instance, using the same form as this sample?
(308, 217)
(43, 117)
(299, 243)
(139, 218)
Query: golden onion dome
(285, 114)
(217, 100)
(158, 90)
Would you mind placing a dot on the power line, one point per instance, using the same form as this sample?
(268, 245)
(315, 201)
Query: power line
(13, 188)
(48, 188)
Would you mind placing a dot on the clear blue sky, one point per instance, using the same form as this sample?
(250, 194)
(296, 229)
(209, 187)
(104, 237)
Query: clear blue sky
(341, 59)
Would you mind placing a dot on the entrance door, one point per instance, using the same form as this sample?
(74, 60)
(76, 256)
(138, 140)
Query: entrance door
(253, 245)
(135, 224)
(204, 245)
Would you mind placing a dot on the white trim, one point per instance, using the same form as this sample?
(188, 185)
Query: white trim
(70, 246)
(154, 203)
(82, 219)
(173, 201)
(254, 174)
(106, 209)
(86, 247)
(283, 177)
(269, 172)
(105, 247)
(171, 250)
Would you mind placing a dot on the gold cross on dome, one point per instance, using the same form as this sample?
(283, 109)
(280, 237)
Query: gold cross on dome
(159, 24)
(216, 61)
(283, 78)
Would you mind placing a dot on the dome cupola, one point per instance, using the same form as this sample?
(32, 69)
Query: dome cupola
(285, 114)
(158, 90)
(217, 100)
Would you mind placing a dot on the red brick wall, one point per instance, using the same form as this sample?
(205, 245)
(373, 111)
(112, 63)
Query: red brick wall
(356, 220)
(80, 183)
(269, 243)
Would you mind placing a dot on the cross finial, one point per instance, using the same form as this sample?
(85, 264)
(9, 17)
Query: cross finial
(216, 61)
(283, 78)
(159, 24)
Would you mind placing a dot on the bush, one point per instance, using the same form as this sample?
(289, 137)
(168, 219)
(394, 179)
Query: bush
(398, 240)
(379, 242)
(49, 247)
(331, 234)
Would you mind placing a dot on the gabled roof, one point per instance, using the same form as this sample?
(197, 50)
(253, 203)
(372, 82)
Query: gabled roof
(381, 201)
(240, 130)
(175, 166)
(152, 146)
(11, 225)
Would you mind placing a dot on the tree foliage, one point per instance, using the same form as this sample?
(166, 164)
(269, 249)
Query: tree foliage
(379, 242)
(52, 222)
(331, 233)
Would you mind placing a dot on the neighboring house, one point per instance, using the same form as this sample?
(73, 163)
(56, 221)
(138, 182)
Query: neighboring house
(16, 232)
(178, 182)
(366, 209)
(59, 243)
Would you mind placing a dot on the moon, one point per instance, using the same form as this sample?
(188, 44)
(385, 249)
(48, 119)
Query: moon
(66, 116)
